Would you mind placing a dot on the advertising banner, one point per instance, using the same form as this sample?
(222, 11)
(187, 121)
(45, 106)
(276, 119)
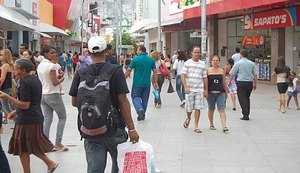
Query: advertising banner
(271, 19)
(256, 40)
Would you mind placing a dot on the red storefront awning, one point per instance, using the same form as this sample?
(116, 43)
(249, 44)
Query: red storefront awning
(225, 6)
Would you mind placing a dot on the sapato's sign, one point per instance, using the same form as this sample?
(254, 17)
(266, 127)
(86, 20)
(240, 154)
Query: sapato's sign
(271, 19)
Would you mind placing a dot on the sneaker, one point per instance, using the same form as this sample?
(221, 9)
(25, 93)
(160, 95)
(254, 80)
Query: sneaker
(182, 103)
(141, 115)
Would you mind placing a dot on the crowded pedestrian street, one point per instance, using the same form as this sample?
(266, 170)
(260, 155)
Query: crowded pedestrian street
(268, 143)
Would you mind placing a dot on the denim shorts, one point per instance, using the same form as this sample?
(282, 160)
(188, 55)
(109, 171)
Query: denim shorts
(214, 98)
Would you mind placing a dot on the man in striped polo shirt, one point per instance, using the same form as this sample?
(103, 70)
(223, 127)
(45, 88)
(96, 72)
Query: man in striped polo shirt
(194, 80)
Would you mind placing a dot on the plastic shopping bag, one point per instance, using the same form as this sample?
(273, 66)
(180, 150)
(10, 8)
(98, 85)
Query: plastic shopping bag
(135, 158)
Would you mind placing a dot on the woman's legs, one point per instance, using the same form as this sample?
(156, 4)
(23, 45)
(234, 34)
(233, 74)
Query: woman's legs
(25, 161)
(211, 118)
(288, 101)
(160, 82)
(233, 98)
(50, 163)
(296, 101)
(282, 103)
(223, 118)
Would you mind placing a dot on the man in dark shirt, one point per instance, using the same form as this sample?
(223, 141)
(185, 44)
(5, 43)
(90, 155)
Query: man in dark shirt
(96, 149)
(109, 58)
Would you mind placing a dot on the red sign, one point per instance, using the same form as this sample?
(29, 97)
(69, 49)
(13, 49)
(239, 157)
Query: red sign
(256, 40)
(271, 19)
(135, 162)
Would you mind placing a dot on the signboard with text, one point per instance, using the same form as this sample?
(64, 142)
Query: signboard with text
(256, 40)
(271, 19)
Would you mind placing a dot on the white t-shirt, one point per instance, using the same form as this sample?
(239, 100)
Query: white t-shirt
(236, 57)
(292, 88)
(195, 71)
(178, 65)
(43, 71)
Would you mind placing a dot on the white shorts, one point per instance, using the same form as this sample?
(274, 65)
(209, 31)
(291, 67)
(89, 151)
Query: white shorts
(194, 101)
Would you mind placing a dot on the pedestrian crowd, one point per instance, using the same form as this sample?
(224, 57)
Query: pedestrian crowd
(31, 91)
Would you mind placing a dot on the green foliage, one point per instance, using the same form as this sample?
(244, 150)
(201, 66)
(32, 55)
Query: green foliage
(126, 40)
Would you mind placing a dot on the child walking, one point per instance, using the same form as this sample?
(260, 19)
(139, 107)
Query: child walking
(293, 90)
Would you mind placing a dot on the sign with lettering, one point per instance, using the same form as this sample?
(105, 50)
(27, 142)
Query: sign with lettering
(271, 19)
(256, 40)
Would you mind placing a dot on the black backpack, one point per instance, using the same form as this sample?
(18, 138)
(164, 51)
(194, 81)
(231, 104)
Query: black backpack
(97, 116)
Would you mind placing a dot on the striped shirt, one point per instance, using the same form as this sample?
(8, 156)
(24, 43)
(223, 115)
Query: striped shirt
(195, 72)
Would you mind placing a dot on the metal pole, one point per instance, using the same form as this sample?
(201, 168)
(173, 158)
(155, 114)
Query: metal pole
(120, 31)
(203, 27)
(159, 45)
(81, 30)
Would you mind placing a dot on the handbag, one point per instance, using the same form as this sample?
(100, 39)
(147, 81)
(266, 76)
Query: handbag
(170, 88)
(163, 70)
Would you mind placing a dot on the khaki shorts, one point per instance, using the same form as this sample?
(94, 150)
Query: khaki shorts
(194, 101)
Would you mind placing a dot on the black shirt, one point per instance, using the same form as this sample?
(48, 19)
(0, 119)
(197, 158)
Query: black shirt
(117, 82)
(7, 83)
(30, 90)
(215, 82)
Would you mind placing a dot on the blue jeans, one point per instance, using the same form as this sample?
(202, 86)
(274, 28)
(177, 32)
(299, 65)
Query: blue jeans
(214, 98)
(4, 166)
(50, 103)
(180, 88)
(6, 106)
(96, 152)
(160, 82)
(140, 97)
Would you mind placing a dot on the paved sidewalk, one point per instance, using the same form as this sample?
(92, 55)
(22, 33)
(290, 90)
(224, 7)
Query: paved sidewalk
(268, 143)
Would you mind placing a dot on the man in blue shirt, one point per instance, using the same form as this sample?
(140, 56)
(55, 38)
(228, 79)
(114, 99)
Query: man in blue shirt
(142, 65)
(246, 74)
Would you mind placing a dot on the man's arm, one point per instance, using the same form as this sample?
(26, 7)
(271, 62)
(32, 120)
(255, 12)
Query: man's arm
(126, 114)
(254, 82)
(74, 101)
(183, 79)
(127, 73)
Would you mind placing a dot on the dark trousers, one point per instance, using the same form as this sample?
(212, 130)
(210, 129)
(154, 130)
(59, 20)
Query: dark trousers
(244, 90)
(4, 166)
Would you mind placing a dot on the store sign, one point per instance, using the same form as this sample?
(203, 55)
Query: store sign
(256, 40)
(271, 19)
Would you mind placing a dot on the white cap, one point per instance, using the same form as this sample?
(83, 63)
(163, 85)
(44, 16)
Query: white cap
(96, 44)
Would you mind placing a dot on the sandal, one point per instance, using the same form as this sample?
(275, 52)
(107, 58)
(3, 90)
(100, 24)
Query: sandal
(225, 129)
(212, 128)
(197, 130)
(186, 123)
(53, 168)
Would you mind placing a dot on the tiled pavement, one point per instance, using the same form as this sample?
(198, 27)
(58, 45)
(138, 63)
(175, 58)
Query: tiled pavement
(268, 143)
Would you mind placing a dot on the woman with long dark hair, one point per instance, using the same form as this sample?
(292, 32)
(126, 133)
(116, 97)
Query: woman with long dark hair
(232, 88)
(282, 72)
(27, 54)
(178, 65)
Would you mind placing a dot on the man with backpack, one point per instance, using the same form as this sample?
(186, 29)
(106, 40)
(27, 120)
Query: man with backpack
(99, 92)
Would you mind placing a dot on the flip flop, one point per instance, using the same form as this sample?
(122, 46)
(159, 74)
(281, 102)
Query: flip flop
(64, 148)
(197, 131)
(225, 129)
(54, 168)
(186, 123)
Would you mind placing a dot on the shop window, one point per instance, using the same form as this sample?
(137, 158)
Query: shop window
(231, 28)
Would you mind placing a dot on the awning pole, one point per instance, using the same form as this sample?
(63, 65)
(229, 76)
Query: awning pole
(203, 28)
(159, 45)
